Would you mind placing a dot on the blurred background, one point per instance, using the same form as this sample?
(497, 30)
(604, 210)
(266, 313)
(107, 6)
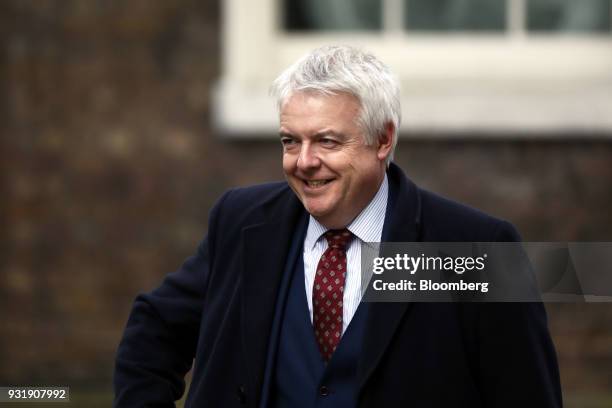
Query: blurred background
(123, 122)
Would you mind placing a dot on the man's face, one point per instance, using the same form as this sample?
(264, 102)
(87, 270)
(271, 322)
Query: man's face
(325, 157)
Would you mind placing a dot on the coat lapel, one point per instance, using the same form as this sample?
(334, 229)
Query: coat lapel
(402, 224)
(264, 248)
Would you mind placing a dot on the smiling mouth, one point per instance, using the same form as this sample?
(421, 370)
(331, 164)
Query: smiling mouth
(316, 183)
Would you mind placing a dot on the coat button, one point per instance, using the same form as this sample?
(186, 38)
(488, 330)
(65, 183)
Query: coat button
(324, 391)
(240, 393)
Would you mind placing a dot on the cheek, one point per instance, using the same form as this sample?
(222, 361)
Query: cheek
(288, 163)
(339, 162)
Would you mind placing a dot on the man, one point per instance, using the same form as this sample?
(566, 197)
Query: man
(270, 306)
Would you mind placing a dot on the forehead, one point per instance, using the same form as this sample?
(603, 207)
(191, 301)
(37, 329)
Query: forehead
(310, 111)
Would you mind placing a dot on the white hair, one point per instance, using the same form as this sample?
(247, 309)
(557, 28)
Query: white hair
(334, 69)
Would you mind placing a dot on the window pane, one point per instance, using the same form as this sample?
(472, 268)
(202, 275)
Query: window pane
(455, 15)
(304, 15)
(568, 15)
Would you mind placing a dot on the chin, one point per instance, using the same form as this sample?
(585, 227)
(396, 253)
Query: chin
(315, 211)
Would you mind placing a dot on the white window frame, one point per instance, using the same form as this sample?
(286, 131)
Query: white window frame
(453, 84)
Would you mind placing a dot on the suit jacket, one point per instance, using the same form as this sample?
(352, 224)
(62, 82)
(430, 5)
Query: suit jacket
(219, 309)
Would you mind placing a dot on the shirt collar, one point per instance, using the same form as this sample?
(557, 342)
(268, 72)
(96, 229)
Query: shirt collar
(367, 226)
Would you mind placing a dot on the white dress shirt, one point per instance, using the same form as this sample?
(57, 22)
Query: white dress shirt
(366, 227)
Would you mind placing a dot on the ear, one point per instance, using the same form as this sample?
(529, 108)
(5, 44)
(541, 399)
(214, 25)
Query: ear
(385, 141)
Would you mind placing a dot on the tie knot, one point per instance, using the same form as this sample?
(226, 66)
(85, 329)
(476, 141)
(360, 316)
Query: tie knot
(338, 239)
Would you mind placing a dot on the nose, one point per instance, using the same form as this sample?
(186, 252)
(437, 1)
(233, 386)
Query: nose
(308, 158)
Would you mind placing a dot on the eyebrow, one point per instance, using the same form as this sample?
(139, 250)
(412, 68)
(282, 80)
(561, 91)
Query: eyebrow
(322, 133)
(328, 133)
(282, 134)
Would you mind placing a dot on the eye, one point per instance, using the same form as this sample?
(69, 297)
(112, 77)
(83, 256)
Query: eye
(288, 142)
(328, 142)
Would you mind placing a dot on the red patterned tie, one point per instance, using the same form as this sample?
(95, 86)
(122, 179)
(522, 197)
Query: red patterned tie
(327, 292)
